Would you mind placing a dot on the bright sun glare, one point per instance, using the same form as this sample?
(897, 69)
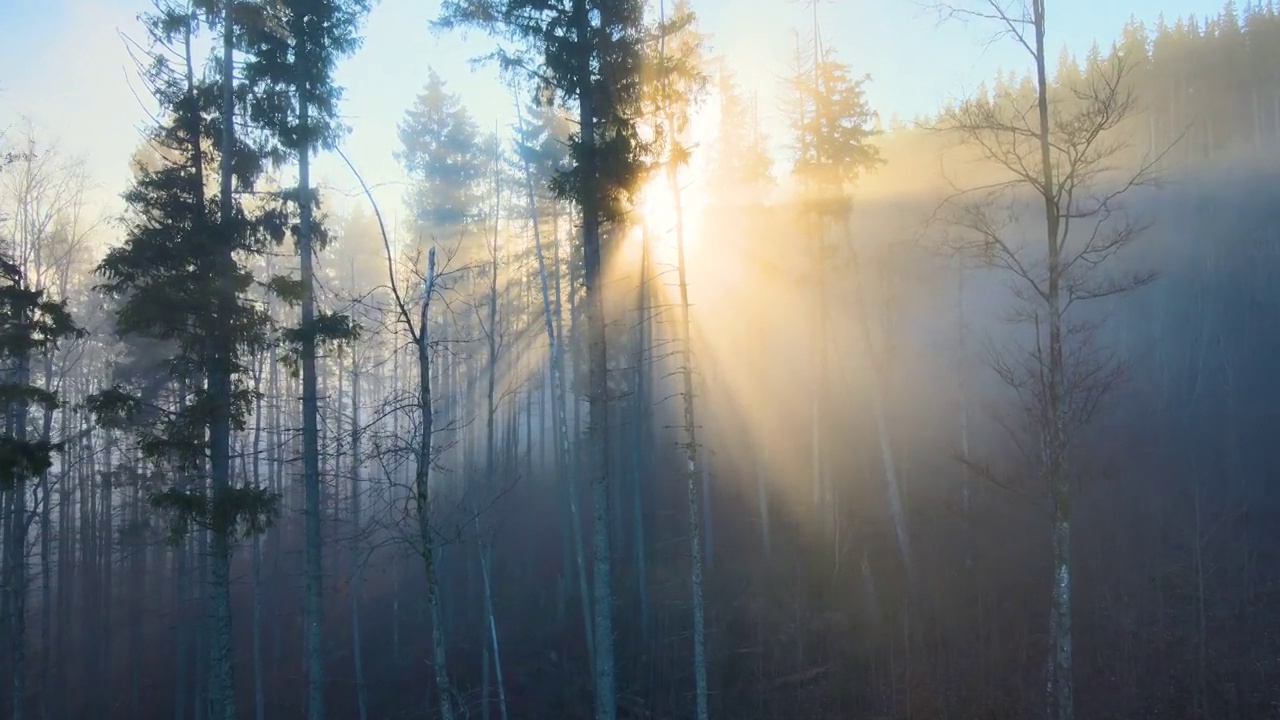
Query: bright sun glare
(659, 217)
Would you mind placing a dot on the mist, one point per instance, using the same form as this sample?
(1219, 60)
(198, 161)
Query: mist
(745, 404)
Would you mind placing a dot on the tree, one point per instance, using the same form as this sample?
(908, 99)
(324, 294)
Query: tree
(832, 126)
(440, 153)
(1064, 158)
(678, 83)
(742, 164)
(422, 478)
(177, 280)
(588, 53)
(293, 49)
(540, 146)
(31, 323)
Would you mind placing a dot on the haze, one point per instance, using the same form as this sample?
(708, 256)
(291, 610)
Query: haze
(898, 361)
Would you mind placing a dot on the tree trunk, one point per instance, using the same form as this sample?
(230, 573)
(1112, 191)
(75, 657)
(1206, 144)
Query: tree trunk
(310, 434)
(492, 623)
(559, 408)
(46, 568)
(640, 418)
(422, 478)
(606, 702)
(691, 458)
(357, 581)
(222, 687)
(16, 543)
(1060, 684)
(255, 569)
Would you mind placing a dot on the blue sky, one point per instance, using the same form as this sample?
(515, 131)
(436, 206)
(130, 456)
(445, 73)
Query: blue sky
(63, 64)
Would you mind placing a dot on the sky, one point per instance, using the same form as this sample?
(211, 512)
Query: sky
(64, 66)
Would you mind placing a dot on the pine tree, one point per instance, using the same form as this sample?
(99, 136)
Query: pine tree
(440, 153)
(832, 126)
(742, 165)
(176, 279)
(591, 54)
(678, 83)
(293, 50)
(30, 323)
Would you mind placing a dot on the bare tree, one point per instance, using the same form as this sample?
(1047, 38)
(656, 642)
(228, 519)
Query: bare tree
(1066, 152)
(680, 85)
(424, 454)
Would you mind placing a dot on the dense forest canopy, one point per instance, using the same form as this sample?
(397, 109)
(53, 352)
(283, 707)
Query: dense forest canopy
(660, 396)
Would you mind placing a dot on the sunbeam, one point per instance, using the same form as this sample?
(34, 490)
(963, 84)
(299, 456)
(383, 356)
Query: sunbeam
(639, 359)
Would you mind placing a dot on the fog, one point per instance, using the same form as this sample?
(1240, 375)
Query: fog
(884, 497)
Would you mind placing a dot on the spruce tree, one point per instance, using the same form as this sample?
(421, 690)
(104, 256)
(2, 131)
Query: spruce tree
(30, 323)
(441, 155)
(292, 53)
(832, 126)
(588, 54)
(674, 72)
(740, 155)
(178, 279)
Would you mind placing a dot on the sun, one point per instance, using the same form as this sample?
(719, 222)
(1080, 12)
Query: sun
(668, 219)
(660, 219)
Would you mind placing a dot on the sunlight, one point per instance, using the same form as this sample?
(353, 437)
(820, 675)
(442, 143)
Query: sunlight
(658, 218)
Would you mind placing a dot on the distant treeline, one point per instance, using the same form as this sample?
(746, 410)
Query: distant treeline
(1205, 85)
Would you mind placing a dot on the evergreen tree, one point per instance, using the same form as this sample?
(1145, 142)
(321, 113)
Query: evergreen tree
(30, 323)
(441, 155)
(293, 51)
(741, 161)
(589, 54)
(832, 126)
(177, 279)
(678, 83)
(542, 141)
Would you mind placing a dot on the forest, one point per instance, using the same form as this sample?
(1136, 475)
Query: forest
(621, 413)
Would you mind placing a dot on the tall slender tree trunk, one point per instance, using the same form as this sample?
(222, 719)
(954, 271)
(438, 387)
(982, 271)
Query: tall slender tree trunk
(491, 623)
(140, 585)
(357, 581)
(66, 561)
(255, 569)
(421, 485)
(491, 450)
(606, 701)
(46, 548)
(1061, 690)
(222, 688)
(310, 431)
(966, 489)
(16, 544)
(396, 654)
(559, 402)
(107, 564)
(276, 458)
(639, 425)
(491, 335)
(691, 459)
(696, 477)
(184, 594)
